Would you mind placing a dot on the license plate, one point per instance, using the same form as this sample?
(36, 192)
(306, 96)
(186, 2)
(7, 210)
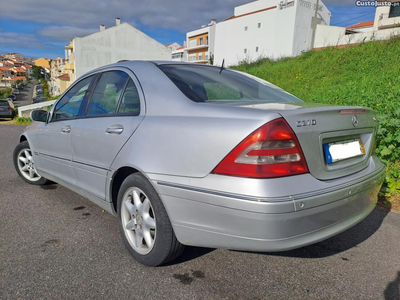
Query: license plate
(343, 150)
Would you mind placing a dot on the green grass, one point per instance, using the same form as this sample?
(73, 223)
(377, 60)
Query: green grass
(23, 121)
(5, 92)
(363, 75)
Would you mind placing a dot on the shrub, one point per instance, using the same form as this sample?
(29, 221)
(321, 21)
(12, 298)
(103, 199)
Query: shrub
(4, 93)
(23, 121)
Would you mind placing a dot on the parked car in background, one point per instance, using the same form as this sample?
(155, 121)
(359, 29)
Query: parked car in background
(38, 98)
(188, 154)
(12, 97)
(39, 91)
(16, 92)
(6, 109)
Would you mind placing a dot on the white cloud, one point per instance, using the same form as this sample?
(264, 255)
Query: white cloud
(64, 33)
(339, 2)
(22, 40)
(182, 15)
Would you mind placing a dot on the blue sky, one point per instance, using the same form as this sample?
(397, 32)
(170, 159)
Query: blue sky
(42, 28)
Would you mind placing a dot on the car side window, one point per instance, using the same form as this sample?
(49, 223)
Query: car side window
(130, 102)
(68, 107)
(107, 93)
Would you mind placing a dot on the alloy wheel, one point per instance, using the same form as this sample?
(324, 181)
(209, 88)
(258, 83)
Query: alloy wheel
(26, 165)
(138, 220)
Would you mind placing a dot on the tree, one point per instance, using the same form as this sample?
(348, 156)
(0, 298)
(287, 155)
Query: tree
(211, 60)
(37, 72)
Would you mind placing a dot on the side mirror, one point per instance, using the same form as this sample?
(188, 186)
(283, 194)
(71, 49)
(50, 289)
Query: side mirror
(39, 115)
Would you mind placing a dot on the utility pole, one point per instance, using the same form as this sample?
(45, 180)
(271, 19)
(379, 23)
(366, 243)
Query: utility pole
(314, 25)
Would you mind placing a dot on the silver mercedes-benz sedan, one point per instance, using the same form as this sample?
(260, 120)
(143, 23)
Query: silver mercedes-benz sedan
(189, 154)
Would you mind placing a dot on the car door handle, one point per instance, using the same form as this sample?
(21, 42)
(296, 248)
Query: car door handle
(115, 129)
(66, 129)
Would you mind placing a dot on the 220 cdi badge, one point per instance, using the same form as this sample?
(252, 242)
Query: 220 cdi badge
(199, 155)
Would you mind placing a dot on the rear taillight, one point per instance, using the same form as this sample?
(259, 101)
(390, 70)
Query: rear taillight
(271, 151)
(9, 108)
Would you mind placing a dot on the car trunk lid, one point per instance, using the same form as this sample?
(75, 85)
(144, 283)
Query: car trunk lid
(318, 127)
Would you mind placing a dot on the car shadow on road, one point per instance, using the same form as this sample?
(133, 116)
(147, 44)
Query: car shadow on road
(392, 290)
(190, 253)
(49, 186)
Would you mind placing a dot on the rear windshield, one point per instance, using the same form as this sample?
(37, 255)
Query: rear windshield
(4, 103)
(213, 84)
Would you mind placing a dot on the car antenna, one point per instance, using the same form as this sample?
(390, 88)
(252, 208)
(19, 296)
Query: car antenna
(222, 67)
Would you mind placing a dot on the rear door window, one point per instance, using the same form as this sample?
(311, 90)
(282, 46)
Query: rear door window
(107, 93)
(130, 102)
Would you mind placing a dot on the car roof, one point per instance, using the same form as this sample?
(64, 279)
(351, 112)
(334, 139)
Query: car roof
(142, 63)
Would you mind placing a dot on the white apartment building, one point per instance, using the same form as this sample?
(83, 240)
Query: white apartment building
(267, 28)
(120, 42)
(178, 52)
(385, 25)
(200, 43)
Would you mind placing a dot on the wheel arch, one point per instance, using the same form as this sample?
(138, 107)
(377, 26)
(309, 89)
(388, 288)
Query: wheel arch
(117, 178)
(23, 138)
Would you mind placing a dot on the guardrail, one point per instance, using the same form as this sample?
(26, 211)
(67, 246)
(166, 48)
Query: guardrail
(23, 109)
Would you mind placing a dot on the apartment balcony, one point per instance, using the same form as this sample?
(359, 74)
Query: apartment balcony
(200, 59)
(385, 21)
(196, 46)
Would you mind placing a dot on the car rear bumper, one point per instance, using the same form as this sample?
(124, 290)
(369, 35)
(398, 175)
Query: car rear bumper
(209, 218)
(6, 114)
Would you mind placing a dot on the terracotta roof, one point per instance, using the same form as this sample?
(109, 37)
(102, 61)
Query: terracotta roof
(168, 45)
(18, 78)
(4, 69)
(361, 25)
(254, 12)
(19, 70)
(180, 48)
(64, 76)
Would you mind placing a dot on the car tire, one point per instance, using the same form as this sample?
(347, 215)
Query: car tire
(25, 166)
(144, 224)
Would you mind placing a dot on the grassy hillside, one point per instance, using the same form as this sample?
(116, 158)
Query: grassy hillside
(367, 75)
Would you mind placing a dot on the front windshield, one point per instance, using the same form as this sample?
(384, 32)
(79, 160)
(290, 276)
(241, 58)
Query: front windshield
(212, 84)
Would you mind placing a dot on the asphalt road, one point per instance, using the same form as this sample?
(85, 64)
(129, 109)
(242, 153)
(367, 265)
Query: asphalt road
(55, 244)
(25, 96)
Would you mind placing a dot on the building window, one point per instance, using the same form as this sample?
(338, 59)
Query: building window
(256, 49)
(192, 43)
(207, 40)
(201, 41)
(200, 56)
(245, 51)
(245, 28)
(192, 57)
(394, 11)
(259, 25)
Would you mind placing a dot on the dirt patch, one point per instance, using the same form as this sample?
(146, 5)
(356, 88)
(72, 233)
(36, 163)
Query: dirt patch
(8, 122)
(392, 203)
